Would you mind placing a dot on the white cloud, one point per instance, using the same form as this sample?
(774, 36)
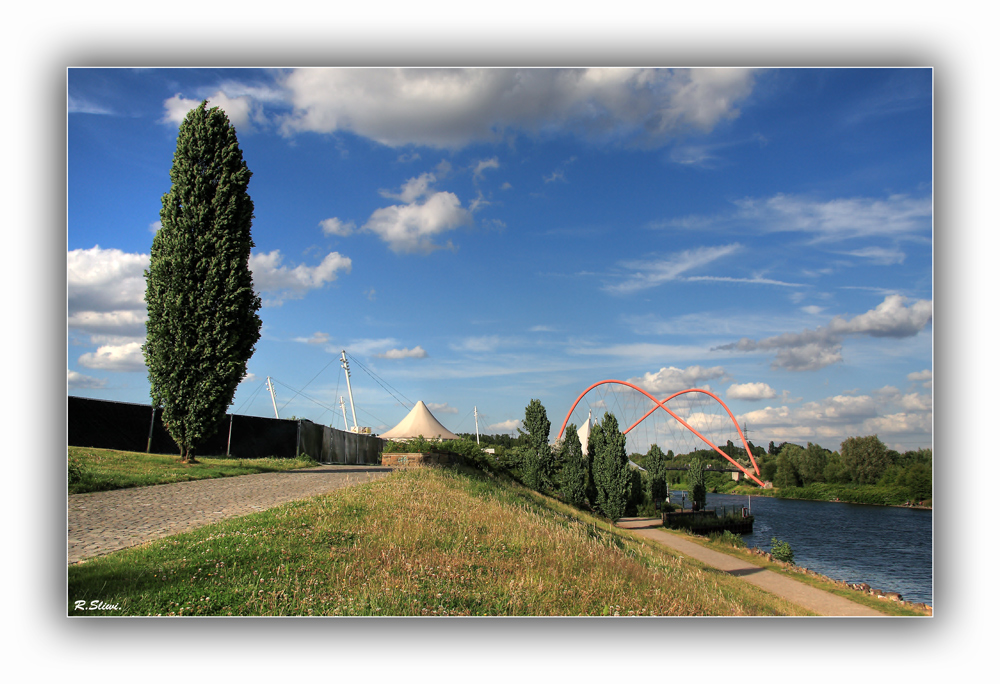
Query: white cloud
(78, 105)
(249, 377)
(415, 353)
(484, 164)
(239, 109)
(505, 426)
(814, 349)
(668, 380)
(411, 227)
(831, 420)
(450, 108)
(155, 226)
(105, 280)
(124, 358)
(317, 338)
(334, 226)
(648, 274)
(282, 282)
(76, 380)
(880, 255)
(813, 310)
(750, 391)
(120, 323)
(842, 219)
(924, 376)
(441, 408)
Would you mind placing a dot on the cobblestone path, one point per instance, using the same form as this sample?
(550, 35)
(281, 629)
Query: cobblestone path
(102, 522)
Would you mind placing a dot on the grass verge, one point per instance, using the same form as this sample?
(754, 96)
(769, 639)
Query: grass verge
(419, 542)
(812, 579)
(98, 470)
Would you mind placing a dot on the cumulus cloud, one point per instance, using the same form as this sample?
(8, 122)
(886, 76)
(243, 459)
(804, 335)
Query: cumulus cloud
(815, 349)
(334, 226)
(750, 391)
(282, 282)
(105, 281)
(412, 227)
(106, 300)
(237, 109)
(668, 380)
(451, 108)
(415, 353)
(924, 376)
(441, 408)
(833, 419)
(76, 380)
(505, 426)
(124, 358)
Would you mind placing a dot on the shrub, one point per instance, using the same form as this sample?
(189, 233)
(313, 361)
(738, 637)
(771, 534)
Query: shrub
(782, 551)
(730, 538)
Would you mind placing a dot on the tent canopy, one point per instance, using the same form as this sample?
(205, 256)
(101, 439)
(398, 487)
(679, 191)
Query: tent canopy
(419, 422)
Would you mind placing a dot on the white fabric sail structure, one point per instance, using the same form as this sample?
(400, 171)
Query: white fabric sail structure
(584, 434)
(419, 422)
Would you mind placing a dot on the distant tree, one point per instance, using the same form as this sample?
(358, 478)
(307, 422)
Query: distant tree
(785, 474)
(918, 481)
(834, 471)
(637, 491)
(611, 471)
(202, 310)
(865, 458)
(573, 474)
(696, 480)
(656, 465)
(811, 464)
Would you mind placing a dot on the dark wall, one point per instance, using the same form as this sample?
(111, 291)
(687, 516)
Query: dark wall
(118, 425)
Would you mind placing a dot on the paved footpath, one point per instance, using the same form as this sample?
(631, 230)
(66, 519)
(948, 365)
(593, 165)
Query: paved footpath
(102, 522)
(810, 598)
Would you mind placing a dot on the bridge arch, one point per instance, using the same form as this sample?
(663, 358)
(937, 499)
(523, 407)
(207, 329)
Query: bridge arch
(662, 404)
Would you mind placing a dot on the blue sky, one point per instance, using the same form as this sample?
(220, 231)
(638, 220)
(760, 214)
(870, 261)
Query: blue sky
(485, 237)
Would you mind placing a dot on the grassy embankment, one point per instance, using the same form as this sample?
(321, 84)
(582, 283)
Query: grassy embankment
(97, 470)
(419, 542)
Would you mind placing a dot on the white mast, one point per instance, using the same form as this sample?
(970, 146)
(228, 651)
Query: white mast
(347, 372)
(475, 410)
(344, 411)
(270, 388)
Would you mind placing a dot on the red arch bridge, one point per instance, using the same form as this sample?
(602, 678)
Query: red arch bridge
(662, 404)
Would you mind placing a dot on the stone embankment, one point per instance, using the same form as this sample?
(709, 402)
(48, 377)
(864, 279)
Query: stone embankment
(857, 586)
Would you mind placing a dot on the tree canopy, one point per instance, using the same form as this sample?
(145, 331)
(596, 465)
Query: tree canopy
(203, 323)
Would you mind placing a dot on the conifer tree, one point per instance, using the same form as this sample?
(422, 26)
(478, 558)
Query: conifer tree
(203, 322)
(572, 476)
(611, 471)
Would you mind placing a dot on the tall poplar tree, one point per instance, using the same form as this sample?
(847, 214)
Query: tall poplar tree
(202, 308)
(611, 471)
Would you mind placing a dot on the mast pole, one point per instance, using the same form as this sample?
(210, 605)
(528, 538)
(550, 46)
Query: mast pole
(270, 388)
(347, 372)
(475, 410)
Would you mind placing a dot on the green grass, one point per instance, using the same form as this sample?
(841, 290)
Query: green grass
(876, 495)
(96, 470)
(418, 542)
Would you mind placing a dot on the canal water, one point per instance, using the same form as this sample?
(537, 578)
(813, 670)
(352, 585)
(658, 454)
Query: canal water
(887, 548)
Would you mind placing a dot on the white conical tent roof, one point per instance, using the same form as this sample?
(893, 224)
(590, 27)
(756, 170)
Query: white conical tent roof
(419, 421)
